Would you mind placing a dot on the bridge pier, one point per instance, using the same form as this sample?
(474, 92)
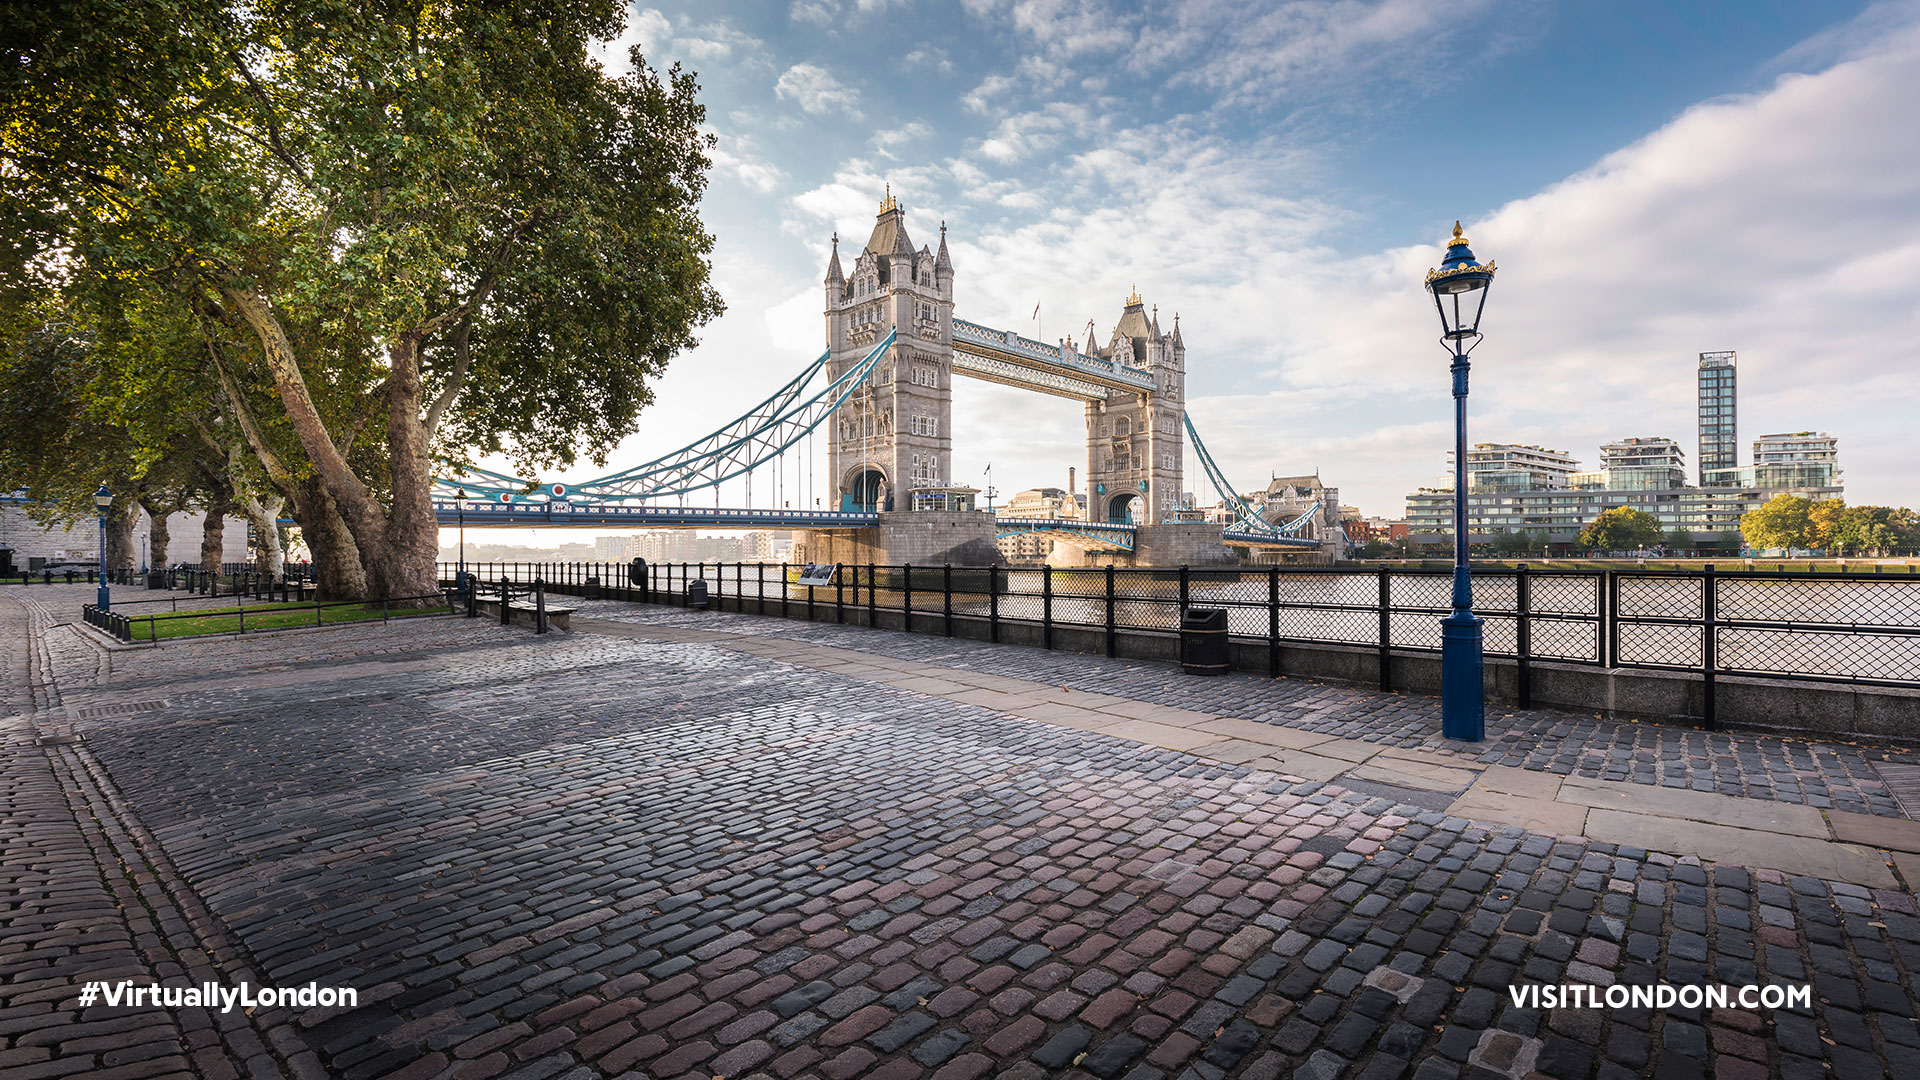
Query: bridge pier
(921, 537)
(1170, 544)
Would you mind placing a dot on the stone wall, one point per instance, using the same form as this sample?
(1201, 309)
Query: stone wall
(80, 543)
(924, 538)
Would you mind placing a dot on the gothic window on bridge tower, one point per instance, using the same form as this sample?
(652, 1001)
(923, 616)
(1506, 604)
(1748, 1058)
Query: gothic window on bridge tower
(925, 471)
(925, 376)
(923, 424)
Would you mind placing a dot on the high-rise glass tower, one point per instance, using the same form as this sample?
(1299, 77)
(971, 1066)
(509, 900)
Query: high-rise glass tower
(1719, 446)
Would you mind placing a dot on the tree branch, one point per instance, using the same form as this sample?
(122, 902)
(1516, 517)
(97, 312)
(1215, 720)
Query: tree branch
(462, 357)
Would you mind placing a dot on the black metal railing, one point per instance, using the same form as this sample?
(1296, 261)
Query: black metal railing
(125, 625)
(1850, 627)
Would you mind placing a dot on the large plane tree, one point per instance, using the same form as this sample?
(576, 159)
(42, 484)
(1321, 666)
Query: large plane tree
(407, 229)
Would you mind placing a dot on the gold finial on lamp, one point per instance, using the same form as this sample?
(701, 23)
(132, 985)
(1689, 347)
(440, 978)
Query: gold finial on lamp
(1458, 239)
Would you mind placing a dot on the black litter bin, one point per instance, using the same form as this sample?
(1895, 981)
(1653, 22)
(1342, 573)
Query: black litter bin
(697, 594)
(1203, 641)
(593, 588)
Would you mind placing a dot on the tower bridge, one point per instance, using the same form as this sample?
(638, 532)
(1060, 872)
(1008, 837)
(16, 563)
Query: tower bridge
(882, 396)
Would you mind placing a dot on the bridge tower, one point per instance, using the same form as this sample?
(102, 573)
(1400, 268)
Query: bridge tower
(1136, 441)
(895, 435)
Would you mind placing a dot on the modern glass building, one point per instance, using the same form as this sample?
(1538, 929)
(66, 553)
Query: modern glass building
(1719, 419)
(1643, 473)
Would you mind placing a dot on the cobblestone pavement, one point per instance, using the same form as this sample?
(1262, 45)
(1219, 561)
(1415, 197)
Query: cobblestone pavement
(1825, 775)
(583, 855)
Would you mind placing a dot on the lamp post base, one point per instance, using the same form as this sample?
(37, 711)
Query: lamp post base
(101, 599)
(1463, 709)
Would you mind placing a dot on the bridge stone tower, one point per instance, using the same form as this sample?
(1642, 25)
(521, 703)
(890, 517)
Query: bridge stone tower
(1136, 442)
(895, 434)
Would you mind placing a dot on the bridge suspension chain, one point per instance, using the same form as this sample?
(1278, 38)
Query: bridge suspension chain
(1247, 520)
(758, 436)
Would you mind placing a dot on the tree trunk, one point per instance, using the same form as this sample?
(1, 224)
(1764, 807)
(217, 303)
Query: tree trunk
(120, 519)
(336, 558)
(157, 536)
(264, 513)
(409, 556)
(213, 533)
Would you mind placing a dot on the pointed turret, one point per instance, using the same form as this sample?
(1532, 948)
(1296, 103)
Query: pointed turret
(943, 261)
(834, 274)
(1176, 328)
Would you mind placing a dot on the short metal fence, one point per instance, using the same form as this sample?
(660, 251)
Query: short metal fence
(124, 625)
(1861, 628)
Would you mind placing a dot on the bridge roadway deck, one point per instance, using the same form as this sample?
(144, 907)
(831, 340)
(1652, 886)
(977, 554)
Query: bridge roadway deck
(698, 844)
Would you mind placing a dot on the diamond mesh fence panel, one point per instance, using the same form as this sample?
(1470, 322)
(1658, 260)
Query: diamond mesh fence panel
(1660, 645)
(1565, 639)
(1659, 597)
(1564, 594)
(1500, 635)
(1420, 590)
(1148, 584)
(1829, 654)
(1493, 592)
(1356, 590)
(1414, 630)
(1348, 627)
(1810, 600)
(1021, 601)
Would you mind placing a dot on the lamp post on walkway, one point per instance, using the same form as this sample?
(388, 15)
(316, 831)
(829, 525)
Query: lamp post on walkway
(460, 511)
(103, 499)
(1459, 290)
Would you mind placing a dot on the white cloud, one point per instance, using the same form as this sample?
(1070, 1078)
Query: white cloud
(980, 98)
(646, 28)
(889, 141)
(928, 56)
(1783, 223)
(1026, 134)
(733, 155)
(816, 90)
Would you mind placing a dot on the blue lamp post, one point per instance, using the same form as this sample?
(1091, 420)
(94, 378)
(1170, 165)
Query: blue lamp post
(1459, 290)
(460, 510)
(103, 499)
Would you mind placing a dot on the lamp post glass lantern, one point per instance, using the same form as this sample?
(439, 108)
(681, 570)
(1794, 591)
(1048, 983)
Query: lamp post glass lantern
(103, 500)
(1459, 289)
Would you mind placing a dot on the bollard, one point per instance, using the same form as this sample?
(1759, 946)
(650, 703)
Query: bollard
(503, 599)
(539, 606)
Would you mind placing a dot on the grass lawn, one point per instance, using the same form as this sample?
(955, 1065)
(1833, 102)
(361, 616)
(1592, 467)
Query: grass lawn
(227, 620)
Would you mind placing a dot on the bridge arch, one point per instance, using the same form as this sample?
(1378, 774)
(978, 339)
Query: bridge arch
(866, 489)
(1123, 509)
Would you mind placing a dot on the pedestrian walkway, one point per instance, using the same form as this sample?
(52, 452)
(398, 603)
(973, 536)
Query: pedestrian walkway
(679, 844)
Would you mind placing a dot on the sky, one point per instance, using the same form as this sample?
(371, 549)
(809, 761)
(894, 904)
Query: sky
(1654, 180)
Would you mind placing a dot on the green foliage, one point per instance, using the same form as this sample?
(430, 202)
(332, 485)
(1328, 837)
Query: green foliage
(384, 231)
(1514, 542)
(1784, 522)
(1622, 528)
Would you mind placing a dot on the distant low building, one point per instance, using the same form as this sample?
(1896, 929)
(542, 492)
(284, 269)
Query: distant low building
(1288, 497)
(1045, 502)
